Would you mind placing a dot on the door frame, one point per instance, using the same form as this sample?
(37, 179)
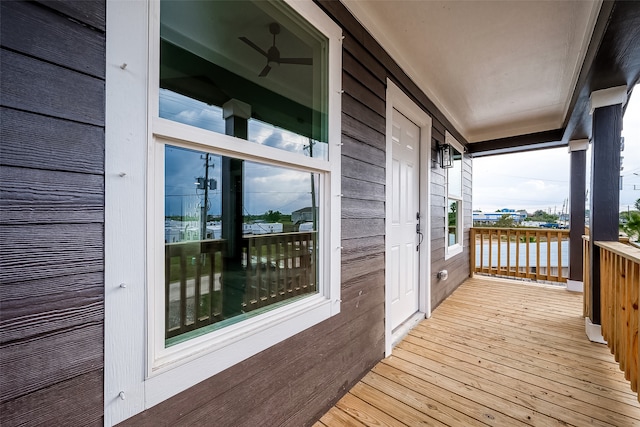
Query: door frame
(398, 100)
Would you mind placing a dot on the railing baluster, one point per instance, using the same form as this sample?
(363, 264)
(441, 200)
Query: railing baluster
(481, 251)
(518, 235)
(499, 263)
(183, 290)
(509, 252)
(527, 270)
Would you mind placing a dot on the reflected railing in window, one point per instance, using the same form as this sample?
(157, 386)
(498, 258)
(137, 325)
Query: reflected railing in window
(275, 268)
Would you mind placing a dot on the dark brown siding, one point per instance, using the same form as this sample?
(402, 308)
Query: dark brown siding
(51, 212)
(295, 381)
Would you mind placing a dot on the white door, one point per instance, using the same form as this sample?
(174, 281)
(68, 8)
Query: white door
(405, 190)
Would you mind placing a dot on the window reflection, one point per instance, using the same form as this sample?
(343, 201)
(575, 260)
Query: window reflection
(240, 238)
(216, 52)
(452, 215)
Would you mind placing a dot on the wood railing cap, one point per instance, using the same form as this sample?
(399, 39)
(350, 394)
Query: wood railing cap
(627, 251)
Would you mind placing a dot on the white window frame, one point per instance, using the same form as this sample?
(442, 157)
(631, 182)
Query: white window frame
(139, 371)
(457, 248)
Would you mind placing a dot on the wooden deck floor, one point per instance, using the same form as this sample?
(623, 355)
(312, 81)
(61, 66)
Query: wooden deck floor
(497, 352)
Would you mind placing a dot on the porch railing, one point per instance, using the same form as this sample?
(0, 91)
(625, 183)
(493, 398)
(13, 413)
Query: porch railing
(274, 267)
(619, 283)
(535, 254)
(586, 270)
(279, 266)
(193, 290)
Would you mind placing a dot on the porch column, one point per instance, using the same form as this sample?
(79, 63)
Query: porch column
(236, 115)
(578, 150)
(606, 108)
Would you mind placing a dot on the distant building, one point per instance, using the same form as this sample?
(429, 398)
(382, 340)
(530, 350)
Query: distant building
(303, 215)
(488, 218)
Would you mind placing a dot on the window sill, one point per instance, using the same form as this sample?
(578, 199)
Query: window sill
(452, 251)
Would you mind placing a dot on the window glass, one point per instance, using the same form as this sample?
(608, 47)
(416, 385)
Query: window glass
(240, 238)
(273, 62)
(454, 181)
(453, 215)
(454, 204)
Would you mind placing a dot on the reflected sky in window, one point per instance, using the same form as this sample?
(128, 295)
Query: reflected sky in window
(266, 187)
(182, 109)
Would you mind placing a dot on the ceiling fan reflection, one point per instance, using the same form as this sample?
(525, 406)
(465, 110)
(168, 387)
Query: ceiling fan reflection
(273, 54)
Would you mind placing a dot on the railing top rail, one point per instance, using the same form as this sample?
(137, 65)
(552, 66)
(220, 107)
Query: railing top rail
(292, 233)
(191, 242)
(537, 230)
(627, 251)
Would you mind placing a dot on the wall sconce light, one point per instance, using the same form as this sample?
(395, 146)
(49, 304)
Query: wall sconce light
(446, 156)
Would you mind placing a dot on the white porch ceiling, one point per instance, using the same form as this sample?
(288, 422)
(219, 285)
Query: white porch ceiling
(494, 68)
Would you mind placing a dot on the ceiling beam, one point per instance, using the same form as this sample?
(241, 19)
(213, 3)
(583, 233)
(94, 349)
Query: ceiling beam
(515, 144)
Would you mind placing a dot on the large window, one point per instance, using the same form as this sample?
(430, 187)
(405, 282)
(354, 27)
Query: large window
(454, 200)
(236, 243)
(241, 135)
(231, 109)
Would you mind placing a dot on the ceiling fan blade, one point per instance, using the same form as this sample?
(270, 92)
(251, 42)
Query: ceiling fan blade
(253, 45)
(265, 71)
(301, 61)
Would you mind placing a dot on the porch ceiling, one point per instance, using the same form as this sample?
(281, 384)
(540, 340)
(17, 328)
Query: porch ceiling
(500, 70)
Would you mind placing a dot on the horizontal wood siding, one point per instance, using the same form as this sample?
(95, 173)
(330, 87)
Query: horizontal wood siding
(52, 212)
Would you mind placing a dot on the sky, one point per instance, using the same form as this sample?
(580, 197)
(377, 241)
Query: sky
(539, 180)
(265, 187)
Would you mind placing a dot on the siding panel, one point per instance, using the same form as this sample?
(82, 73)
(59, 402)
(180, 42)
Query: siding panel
(22, 316)
(364, 96)
(361, 132)
(52, 212)
(44, 360)
(356, 168)
(58, 40)
(355, 69)
(61, 250)
(363, 190)
(63, 93)
(75, 402)
(362, 151)
(46, 197)
(90, 12)
(39, 142)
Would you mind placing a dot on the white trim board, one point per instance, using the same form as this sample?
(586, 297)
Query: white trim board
(397, 99)
(593, 331)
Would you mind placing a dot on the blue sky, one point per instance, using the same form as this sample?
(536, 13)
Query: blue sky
(540, 179)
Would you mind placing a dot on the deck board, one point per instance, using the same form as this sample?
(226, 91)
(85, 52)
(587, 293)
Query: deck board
(496, 352)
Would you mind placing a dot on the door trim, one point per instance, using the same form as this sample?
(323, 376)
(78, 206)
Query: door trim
(397, 99)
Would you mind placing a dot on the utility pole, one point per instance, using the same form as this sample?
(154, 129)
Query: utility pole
(205, 184)
(313, 190)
